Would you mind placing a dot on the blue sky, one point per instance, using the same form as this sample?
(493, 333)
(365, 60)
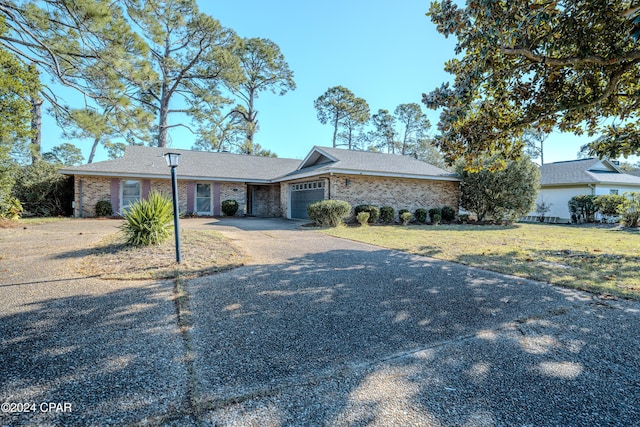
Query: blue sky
(388, 53)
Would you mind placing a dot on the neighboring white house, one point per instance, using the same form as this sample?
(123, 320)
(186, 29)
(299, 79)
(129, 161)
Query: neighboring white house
(560, 181)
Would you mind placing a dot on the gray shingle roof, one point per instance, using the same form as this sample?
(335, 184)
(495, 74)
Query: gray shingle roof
(325, 159)
(587, 171)
(149, 162)
(139, 161)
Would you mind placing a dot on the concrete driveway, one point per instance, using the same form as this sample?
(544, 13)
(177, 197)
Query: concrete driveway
(314, 331)
(322, 331)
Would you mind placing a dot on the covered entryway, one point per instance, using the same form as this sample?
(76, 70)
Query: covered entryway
(302, 195)
(263, 200)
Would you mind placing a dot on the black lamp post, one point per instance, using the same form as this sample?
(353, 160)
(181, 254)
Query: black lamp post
(172, 161)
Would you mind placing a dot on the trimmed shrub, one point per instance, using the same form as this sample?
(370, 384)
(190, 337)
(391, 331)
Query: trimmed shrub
(448, 213)
(433, 212)
(387, 214)
(609, 205)
(436, 218)
(400, 212)
(229, 207)
(405, 217)
(582, 208)
(464, 218)
(103, 208)
(421, 215)
(373, 211)
(328, 213)
(630, 209)
(148, 221)
(363, 218)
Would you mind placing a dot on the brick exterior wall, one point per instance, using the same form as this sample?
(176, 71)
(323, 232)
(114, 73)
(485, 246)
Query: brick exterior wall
(400, 193)
(96, 188)
(284, 199)
(93, 190)
(266, 200)
(237, 192)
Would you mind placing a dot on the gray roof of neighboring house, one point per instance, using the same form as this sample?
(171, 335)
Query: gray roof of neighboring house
(139, 161)
(149, 162)
(587, 171)
(634, 172)
(326, 160)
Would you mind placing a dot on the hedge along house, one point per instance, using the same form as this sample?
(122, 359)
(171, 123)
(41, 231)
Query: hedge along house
(264, 186)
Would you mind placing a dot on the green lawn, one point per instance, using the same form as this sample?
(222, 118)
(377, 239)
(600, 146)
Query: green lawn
(600, 260)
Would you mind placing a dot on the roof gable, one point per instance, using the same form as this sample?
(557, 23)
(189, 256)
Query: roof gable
(604, 166)
(316, 156)
(584, 172)
(327, 160)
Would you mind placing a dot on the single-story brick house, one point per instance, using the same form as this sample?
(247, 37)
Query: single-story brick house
(560, 181)
(264, 186)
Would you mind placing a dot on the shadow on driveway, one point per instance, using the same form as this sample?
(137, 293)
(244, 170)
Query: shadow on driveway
(358, 336)
(116, 357)
(247, 223)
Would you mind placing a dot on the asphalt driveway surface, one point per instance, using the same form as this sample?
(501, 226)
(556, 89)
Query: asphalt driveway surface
(321, 331)
(313, 331)
(79, 350)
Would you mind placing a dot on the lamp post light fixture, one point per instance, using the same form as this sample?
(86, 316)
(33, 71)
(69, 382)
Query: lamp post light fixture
(172, 161)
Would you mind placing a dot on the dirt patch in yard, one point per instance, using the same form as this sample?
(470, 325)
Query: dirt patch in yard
(203, 253)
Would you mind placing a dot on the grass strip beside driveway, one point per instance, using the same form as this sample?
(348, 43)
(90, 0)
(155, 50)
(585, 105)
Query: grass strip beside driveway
(599, 260)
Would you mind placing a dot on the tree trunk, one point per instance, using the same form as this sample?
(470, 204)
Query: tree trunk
(165, 96)
(253, 123)
(96, 141)
(335, 130)
(36, 127)
(250, 133)
(162, 123)
(350, 136)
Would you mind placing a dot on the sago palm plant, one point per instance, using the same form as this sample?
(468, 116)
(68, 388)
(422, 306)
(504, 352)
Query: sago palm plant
(148, 222)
